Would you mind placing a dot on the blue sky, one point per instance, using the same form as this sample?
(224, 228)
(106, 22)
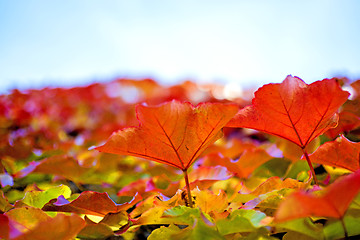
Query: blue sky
(73, 42)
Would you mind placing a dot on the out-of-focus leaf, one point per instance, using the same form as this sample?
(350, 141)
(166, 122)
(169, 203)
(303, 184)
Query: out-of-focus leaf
(339, 153)
(232, 148)
(4, 227)
(147, 187)
(60, 165)
(249, 160)
(275, 183)
(6, 180)
(24, 219)
(164, 233)
(268, 193)
(347, 122)
(335, 230)
(89, 202)
(209, 202)
(4, 203)
(152, 216)
(40, 198)
(203, 177)
(297, 235)
(118, 219)
(110, 225)
(96, 231)
(59, 227)
(240, 220)
(200, 230)
(258, 234)
(334, 201)
(274, 167)
(298, 170)
(291, 151)
(182, 215)
(304, 226)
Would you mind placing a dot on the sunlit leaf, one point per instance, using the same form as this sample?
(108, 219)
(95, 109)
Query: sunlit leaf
(339, 153)
(334, 229)
(304, 226)
(93, 203)
(164, 232)
(334, 201)
(59, 227)
(40, 198)
(4, 203)
(174, 133)
(240, 221)
(347, 122)
(200, 230)
(209, 202)
(249, 160)
(60, 165)
(293, 109)
(203, 177)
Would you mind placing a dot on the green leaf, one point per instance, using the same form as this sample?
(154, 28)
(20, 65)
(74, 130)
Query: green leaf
(164, 233)
(334, 229)
(259, 234)
(273, 167)
(200, 231)
(96, 231)
(297, 170)
(304, 226)
(40, 198)
(240, 220)
(296, 235)
(4, 203)
(182, 214)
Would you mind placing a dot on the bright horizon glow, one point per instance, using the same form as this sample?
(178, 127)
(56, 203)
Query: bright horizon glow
(70, 43)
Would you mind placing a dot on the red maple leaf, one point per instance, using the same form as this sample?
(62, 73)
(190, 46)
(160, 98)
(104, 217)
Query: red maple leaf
(293, 110)
(174, 133)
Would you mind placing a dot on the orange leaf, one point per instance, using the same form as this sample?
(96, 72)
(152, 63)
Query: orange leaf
(332, 203)
(203, 177)
(250, 159)
(347, 122)
(339, 153)
(61, 165)
(59, 227)
(276, 183)
(173, 133)
(293, 109)
(93, 203)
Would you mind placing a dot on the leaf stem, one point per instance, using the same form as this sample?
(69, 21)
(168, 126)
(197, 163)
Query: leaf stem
(311, 166)
(344, 227)
(188, 188)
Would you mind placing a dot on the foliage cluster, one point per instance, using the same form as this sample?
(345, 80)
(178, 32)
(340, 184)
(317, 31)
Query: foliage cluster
(282, 165)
